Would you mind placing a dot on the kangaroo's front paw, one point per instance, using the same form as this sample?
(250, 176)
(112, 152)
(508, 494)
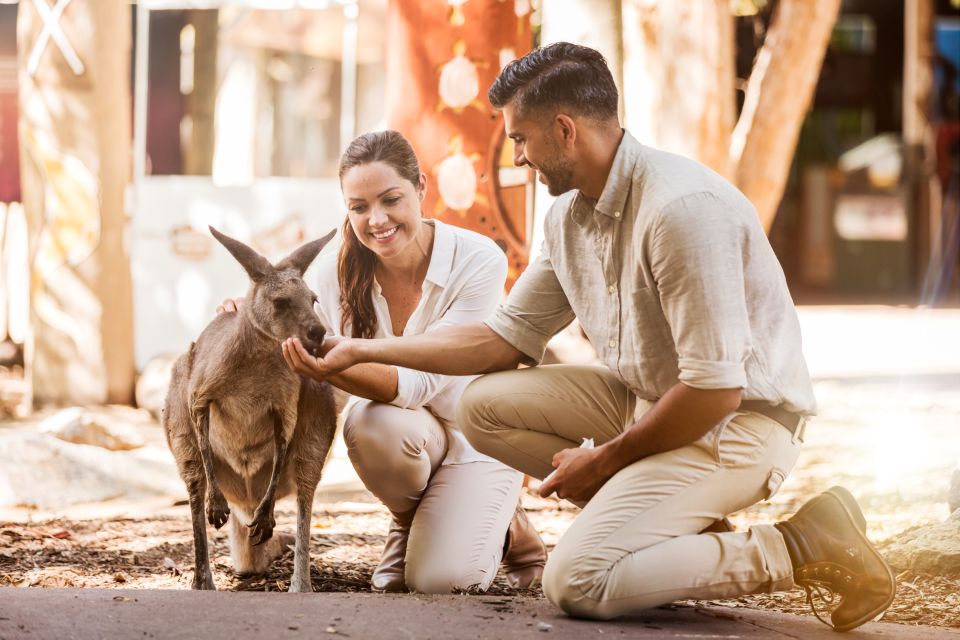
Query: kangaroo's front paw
(261, 529)
(217, 509)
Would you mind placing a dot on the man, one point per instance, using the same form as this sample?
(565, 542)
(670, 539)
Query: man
(700, 408)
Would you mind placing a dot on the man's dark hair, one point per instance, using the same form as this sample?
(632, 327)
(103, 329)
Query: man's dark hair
(559, 76)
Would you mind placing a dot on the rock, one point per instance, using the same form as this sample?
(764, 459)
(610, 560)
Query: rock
(14, 393)
(45, 472)
(953, 495)
(79, 426)
(933, 549)
(151, 389)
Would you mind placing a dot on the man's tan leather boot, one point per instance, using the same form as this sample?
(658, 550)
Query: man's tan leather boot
(524, 554)
(832, 557)
(389, 574)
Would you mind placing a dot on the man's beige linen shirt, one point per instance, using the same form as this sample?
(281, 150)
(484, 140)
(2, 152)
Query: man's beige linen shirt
(672, 279)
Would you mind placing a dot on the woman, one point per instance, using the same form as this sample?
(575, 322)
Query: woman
(455, 511)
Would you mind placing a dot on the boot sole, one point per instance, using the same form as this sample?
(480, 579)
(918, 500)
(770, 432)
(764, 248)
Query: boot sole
(846, 500)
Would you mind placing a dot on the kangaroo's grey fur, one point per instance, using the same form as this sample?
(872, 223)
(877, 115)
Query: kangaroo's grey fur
(245, 429)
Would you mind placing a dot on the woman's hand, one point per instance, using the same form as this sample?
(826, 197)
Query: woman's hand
(337, 354)
(230, 305)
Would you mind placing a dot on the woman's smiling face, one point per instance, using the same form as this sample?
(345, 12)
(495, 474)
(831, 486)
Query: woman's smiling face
(383, 207)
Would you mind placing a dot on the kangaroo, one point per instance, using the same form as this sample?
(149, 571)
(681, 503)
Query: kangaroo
(244, 429)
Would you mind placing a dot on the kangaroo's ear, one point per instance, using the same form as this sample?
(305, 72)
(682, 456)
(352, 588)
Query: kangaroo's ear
(256, 266)
(302, 257)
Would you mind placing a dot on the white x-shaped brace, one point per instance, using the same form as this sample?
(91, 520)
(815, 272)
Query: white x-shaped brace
(52, 29)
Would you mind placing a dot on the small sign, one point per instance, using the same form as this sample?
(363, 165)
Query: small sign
(187, 242)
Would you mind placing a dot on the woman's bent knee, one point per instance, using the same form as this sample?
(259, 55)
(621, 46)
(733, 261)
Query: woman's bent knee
(443, 578)
(384, 427)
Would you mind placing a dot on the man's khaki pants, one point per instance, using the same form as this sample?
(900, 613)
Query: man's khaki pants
(636, 544)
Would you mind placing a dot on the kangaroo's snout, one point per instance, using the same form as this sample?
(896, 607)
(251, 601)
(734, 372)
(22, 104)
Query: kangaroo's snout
(313, 338)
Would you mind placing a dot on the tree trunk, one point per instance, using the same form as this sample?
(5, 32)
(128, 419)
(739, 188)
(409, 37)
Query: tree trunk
(923, 194)
(679, 80)
(779, 93)
(679, 77)
(75, 159)
(592, 23)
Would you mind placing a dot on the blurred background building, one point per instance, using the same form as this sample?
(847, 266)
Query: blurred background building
(127, 128)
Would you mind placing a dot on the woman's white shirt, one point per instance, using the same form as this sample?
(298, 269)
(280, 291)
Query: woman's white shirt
(464, 284)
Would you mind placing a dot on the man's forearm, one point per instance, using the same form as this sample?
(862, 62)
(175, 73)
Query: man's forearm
(680, 417)
(458, 350)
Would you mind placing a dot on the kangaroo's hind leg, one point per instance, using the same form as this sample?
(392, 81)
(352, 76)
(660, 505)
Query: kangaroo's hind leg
(202, 574)
(181, 437)
(300, 580)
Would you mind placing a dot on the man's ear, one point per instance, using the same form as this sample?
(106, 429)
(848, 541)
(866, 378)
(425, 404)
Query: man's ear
(567, 129)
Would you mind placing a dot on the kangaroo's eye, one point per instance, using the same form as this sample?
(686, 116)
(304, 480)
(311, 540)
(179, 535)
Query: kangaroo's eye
(281, 304)
(315, 301)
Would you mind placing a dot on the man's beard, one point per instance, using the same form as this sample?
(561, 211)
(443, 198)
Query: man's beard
(559, 178)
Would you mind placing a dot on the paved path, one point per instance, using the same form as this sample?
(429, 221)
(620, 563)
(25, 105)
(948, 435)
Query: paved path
(149, 614)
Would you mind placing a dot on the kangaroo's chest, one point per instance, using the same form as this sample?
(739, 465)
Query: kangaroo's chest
(242, 430)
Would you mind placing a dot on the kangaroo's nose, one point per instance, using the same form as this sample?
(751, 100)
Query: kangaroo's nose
(315, 334)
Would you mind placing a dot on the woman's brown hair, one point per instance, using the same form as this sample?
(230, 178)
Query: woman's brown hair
(355, 262)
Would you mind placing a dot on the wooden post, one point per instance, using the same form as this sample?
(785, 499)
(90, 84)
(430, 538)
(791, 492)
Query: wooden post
(74, 129)
(918, 137)
(202, 99)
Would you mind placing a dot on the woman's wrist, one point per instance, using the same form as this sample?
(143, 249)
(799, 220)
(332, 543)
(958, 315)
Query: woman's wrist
(360, 350)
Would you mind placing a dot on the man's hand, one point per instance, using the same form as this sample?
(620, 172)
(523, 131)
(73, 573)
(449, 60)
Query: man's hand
(578, 476)
(337, 354)
(230, 305)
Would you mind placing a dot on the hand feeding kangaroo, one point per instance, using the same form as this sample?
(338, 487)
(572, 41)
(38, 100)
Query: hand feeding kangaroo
(246, 430)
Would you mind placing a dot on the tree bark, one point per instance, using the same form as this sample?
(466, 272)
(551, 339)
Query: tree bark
(678, 74)
(919, 141)
(593, 23)
(74, 132)
(679, 81)
(779, 93)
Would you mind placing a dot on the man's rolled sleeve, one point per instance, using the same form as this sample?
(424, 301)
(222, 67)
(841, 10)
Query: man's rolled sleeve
(522, 335)
(535, 311)
(698, 254)
(707, 374)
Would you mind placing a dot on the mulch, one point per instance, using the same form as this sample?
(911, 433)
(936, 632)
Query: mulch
(156, 553)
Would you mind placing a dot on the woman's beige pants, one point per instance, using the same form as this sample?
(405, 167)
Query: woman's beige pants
(636, 544)
(463, 510)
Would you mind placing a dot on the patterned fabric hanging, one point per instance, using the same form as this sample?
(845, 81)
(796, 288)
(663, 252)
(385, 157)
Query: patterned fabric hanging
(443, 55)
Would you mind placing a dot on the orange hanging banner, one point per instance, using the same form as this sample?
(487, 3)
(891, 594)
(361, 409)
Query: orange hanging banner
(442, 57)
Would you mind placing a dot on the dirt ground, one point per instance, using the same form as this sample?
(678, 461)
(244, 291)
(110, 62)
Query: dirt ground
(891, 440)
(156, 553)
